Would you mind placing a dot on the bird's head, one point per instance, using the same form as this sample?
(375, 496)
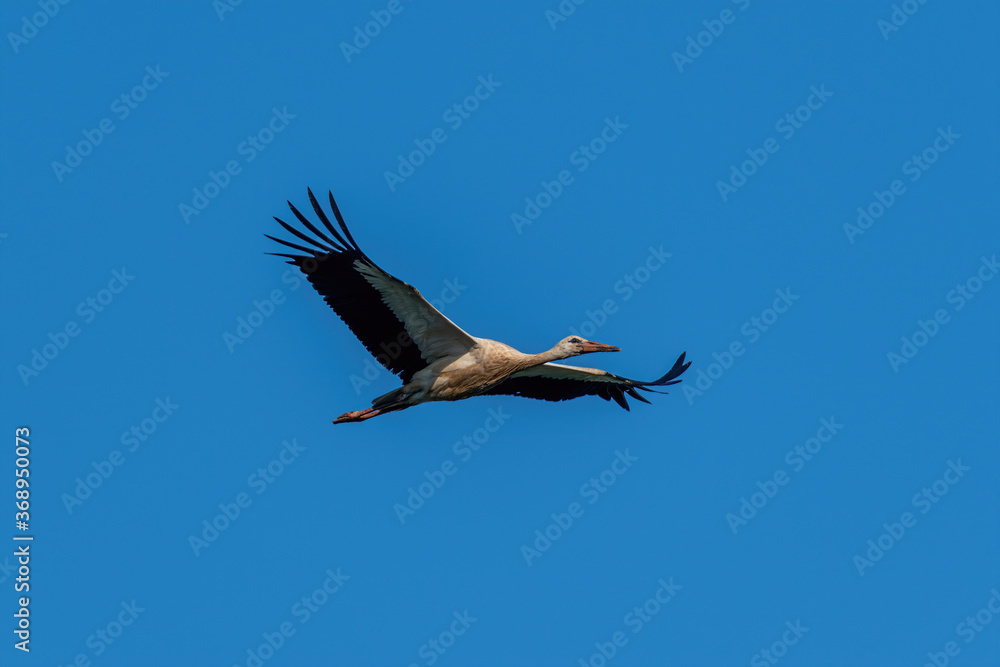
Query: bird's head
(573, 346)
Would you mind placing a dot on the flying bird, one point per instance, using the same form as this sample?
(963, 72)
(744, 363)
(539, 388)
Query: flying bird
(434, 357)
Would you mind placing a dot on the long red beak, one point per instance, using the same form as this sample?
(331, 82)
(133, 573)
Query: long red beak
(591, 346)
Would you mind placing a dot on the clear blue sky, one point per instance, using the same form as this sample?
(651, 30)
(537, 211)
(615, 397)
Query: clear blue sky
(821, 489)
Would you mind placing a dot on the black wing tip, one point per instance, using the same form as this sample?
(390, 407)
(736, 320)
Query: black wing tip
(675, 371)
(636, 395)
(340, 221)
(620, 399)
(316, 238)
(670, 378)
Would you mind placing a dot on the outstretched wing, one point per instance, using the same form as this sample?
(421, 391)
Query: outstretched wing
(391, 319)
(558, 382)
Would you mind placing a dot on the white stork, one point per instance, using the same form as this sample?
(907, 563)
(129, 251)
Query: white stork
(437, 360)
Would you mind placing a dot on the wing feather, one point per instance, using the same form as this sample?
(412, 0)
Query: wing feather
(391, 319)
(558, 382)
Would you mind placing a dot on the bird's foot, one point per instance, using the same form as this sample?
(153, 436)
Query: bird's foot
(356, 416)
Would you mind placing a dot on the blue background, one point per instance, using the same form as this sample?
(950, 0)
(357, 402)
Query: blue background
(698, 454)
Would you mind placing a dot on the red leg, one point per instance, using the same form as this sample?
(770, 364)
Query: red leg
(362, 415)
(356, 416)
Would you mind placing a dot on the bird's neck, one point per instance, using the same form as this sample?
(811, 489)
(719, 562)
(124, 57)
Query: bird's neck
(531, 360)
